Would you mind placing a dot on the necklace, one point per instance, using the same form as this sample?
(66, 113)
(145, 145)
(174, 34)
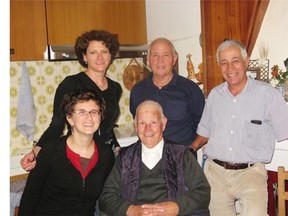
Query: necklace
(102, 85)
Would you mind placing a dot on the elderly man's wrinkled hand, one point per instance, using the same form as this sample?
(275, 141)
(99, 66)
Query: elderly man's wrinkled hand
(158, 209)
(168, 208)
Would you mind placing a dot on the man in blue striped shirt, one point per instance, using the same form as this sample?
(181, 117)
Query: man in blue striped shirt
(241, 121)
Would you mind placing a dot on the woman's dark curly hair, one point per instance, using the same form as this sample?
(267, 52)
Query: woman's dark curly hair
(71, 99)
(82, 42)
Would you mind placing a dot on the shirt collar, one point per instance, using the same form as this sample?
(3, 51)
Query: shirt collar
(247, 87)
(156, 148)
(151, 156)
(172, 82)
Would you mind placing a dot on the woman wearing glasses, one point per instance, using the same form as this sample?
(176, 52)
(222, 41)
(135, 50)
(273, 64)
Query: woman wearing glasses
(95, 50)
(69, 175)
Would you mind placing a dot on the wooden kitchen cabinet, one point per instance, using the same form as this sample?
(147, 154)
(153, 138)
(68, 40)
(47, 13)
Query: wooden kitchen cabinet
(221, 19)
(34, 24)
(66, 20)
(27, 30)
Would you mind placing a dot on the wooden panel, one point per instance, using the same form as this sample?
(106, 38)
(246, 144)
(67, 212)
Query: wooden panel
(131, 28)
(27, 30)
(234, 19)
(68, 19)
(19, 177)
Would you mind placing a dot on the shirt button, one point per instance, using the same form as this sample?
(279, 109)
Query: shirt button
(234, 100)
(233, 116)
(230, 149)
(232, 132)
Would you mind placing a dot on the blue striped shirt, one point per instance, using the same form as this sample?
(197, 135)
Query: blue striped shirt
(244, 128)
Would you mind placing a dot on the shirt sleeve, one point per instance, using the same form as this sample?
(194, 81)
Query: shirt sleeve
(35, 184)
(279, 117)
(110, 201)
(57, 124)
(198, 195)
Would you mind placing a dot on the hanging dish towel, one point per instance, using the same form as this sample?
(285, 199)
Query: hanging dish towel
(25, 122)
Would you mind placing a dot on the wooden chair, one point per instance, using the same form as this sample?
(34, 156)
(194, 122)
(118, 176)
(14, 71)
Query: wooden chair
(282, 194)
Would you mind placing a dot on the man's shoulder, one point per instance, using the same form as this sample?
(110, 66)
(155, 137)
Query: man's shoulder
(183, 79)
(185, 83)
(130, 147)
(142, 82)
(218, 88)
(261, 84)
(173, 144)
(140, 85)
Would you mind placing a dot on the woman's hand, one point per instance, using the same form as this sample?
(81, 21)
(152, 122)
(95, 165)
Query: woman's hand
(28, 162)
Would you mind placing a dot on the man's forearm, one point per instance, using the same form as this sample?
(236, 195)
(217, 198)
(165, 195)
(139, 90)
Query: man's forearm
(199, 142)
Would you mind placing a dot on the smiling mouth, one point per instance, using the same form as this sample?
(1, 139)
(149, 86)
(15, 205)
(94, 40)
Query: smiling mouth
(232, 74)
(88, 125)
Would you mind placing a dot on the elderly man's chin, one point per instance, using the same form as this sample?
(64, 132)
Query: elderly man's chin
(150, 141)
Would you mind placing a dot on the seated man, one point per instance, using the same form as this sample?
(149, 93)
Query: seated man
(154, 176)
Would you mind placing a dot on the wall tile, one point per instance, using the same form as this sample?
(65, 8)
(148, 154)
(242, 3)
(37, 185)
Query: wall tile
(45, 77)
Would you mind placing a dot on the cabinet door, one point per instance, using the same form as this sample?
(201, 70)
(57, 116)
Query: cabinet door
(128, 21)
(66, 20)
(27, 30)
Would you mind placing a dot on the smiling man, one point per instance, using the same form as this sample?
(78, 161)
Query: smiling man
(181, 99)
(241, 121)
(154, 176)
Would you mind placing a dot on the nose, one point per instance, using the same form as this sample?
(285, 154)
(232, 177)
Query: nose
(100, 55)
(147, 127)
(160, 58)
(89, 114)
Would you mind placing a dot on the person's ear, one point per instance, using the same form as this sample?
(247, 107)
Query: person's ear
(164, 122)
(70, 120)
(247, 61)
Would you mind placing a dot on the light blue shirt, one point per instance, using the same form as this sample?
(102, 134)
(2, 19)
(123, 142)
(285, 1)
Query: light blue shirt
(244, 128)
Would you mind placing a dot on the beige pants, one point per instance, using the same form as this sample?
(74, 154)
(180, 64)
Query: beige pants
(246, 187)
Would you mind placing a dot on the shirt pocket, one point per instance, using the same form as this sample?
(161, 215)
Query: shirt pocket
(252, 133)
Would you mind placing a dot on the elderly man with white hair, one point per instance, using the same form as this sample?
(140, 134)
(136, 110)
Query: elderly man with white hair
(155, 176)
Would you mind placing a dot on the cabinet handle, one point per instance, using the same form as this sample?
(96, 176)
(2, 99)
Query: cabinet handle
(12, 51)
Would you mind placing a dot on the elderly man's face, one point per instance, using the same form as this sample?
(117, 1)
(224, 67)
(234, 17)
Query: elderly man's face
(161, 59)
(150, 125)
(233, 66)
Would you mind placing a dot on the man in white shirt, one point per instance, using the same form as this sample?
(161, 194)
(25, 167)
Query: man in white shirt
(241, 122)
(155, 176)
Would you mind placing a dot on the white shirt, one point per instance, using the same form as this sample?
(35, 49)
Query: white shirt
(151, 156)
(244, 128)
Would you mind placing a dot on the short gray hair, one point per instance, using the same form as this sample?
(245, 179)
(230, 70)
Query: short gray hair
(155, 104)
(162, 40)
(228, 43)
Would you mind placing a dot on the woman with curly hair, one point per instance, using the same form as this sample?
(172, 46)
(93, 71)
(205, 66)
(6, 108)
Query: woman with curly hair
(95, 50)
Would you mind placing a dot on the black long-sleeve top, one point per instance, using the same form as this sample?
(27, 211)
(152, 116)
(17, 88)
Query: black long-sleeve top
(55, 187)
(77, 82)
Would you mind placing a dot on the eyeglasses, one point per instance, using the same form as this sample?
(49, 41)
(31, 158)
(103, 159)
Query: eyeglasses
(82, 113)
